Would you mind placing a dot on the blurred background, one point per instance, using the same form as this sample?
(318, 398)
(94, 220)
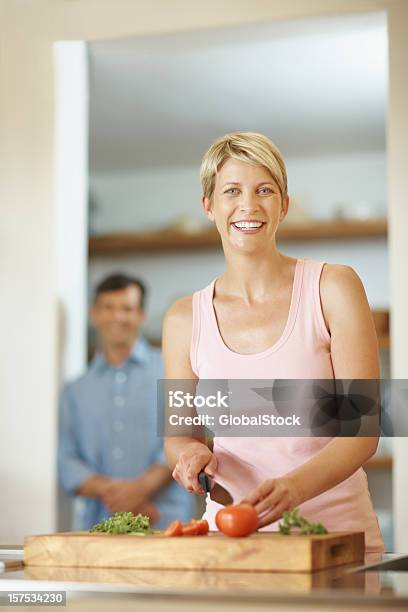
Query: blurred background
(108, 109)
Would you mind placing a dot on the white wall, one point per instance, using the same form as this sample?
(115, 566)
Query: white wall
(71, 183)
(322, 184)
(28, 324)
(71, 195)
(143, 200)
(398, 217)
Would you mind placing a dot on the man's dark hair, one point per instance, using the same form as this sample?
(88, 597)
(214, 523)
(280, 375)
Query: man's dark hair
(114, 282)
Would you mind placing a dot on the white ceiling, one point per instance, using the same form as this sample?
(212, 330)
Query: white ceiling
(314, 86)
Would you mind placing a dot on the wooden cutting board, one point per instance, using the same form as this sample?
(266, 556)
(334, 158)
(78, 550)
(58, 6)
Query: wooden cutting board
(203, 580)
(258, 552)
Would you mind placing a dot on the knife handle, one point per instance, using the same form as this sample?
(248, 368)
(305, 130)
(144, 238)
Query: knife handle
(204, 481)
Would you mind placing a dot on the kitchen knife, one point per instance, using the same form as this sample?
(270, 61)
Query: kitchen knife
(217, 492)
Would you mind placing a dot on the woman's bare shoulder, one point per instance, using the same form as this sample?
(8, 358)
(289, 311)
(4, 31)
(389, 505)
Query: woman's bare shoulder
(337, 279)
(178, 320)
(180, 311)
(342, 293)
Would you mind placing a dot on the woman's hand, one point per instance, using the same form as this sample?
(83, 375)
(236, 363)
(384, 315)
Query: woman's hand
(195, 457)
(272, 498)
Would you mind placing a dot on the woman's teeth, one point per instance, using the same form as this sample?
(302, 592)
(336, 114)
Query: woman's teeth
(248, 225)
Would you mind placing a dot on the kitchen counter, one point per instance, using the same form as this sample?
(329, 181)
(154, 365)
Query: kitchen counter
(343, 587)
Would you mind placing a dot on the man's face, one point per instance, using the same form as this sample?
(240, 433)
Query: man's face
(117, 316)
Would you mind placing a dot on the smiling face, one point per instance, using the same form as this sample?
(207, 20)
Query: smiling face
(117, 316)
(246, 206)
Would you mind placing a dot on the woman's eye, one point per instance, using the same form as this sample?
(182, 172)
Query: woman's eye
(235, 190)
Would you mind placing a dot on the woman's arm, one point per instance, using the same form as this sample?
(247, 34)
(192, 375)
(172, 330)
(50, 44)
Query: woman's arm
(186, 456)
(354, 354)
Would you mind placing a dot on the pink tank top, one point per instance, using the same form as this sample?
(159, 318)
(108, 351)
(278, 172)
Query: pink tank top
(303, 352)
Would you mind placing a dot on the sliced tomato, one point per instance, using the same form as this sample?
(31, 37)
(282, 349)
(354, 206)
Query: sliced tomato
(190, 529)
(194, 527)
(237, 521)
(174, 529)
(202, 526)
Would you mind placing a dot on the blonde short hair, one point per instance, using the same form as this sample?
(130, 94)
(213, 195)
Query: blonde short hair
(249, 147)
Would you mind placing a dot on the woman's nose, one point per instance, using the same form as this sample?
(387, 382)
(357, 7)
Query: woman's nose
(249, 203)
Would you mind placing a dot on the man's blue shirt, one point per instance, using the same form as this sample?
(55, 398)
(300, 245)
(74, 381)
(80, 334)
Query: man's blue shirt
(108, 425)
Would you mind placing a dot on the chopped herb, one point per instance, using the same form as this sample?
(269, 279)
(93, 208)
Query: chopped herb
(292, 520)
(124, 522)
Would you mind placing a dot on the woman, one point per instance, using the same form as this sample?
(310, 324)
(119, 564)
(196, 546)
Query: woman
(270, 316)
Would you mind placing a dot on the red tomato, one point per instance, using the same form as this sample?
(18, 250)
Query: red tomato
(237, 521)
(202, 526)
(194, 527)
(174, 529)
(190, 529)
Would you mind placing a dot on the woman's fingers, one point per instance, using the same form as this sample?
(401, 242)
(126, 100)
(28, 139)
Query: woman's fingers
(187, 470)
(273, 515)
(192, 478)
(270, 499)
(259, 493)
(211, 466)
(183, 477)
(278, 495)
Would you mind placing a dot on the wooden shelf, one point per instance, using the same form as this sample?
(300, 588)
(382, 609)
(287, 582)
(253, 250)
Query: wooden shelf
(333, 230)
(171, 240)
(379, 462)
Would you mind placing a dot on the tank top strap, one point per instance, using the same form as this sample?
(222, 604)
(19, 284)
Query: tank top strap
(195, 333)
(310, 308)
(201, 322)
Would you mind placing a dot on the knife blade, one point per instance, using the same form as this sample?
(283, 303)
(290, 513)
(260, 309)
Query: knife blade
(217, 492)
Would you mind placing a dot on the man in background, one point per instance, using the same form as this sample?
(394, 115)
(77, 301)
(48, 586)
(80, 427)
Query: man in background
(110, 453)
